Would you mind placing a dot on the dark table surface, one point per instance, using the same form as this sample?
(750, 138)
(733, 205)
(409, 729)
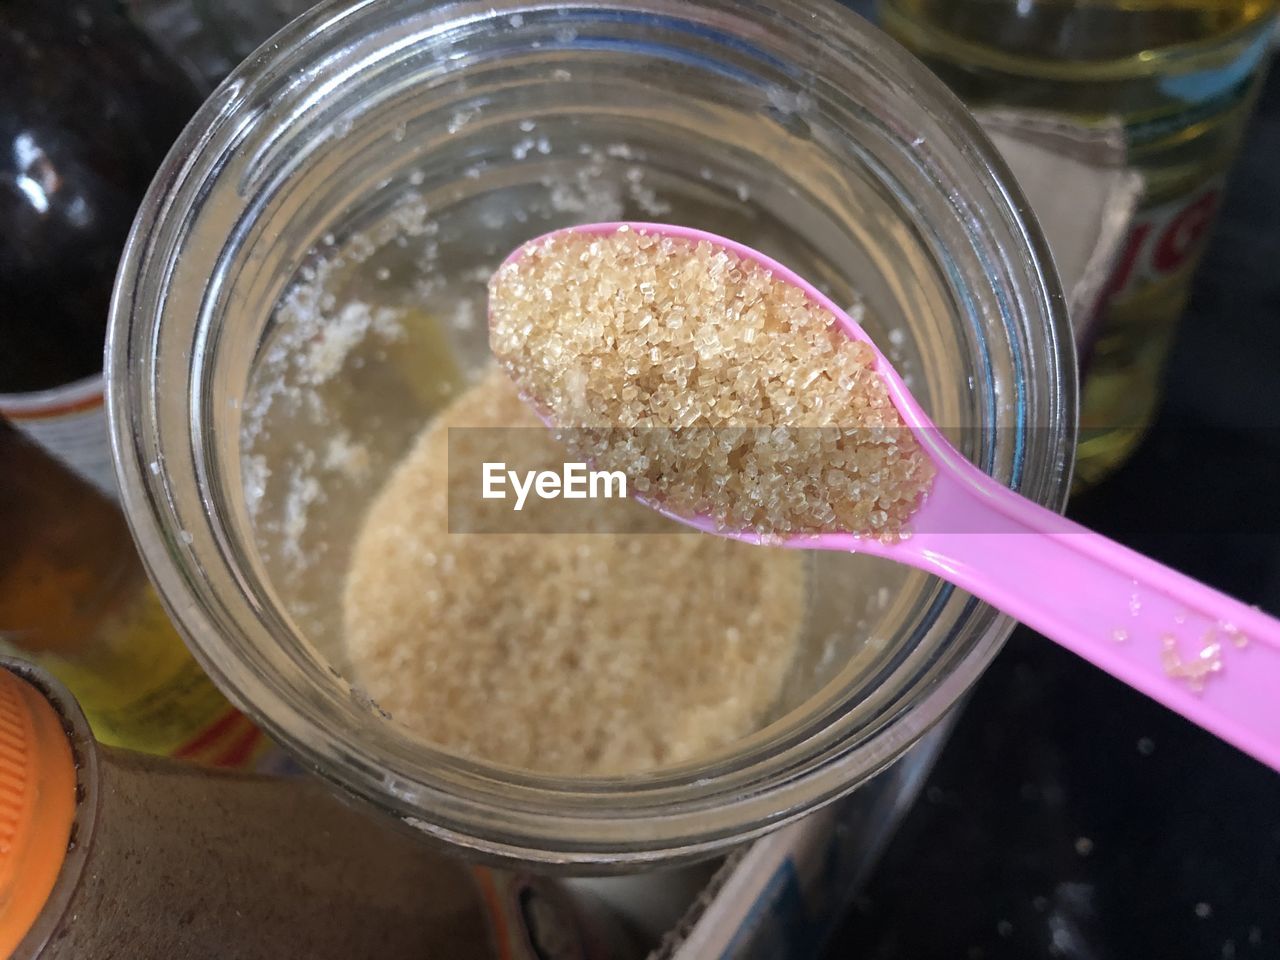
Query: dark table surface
(1070, 816)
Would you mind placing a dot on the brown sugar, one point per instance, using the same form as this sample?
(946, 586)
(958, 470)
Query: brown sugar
(577, 653)
(719, 390)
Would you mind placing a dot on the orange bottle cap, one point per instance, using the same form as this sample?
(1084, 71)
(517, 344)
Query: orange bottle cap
(37, 805)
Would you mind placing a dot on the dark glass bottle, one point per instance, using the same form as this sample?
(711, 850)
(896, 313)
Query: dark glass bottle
(88, 109)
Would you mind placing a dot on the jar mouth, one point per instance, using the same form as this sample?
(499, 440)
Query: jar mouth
(177, 372)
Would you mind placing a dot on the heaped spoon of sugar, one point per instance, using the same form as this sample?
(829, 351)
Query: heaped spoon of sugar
(1205, 655)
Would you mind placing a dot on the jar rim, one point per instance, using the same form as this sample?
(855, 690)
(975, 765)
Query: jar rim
(549, 826)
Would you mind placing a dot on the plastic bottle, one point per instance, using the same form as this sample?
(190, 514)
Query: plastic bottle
(1181, 75)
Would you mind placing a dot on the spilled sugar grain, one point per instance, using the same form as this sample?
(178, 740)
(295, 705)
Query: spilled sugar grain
(717, 389)
(584, 653)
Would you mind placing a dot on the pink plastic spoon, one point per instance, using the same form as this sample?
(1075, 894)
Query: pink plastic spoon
(1208, 657)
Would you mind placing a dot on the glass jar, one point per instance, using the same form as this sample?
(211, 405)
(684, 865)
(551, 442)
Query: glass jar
(387, 155)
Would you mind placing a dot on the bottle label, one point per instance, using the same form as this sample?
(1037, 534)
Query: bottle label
(140, 688)
(1164, 241)
(69, 422)
(1203, 94)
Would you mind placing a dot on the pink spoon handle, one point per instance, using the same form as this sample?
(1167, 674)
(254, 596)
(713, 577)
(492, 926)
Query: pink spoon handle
(1212, 659)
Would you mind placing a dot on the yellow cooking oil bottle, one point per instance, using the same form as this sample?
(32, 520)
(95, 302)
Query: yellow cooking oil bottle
(74, 598)
(1181, 75)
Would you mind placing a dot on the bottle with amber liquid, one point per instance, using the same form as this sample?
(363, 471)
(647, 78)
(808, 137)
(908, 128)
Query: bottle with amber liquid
(1181, 76)
(88, 109)
(75, 599)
